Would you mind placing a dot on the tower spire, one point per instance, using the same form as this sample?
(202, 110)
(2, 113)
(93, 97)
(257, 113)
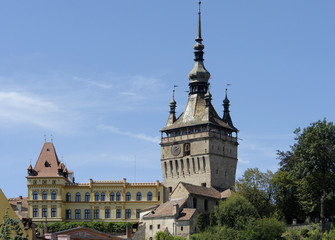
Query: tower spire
(199, 75)
(226, 115)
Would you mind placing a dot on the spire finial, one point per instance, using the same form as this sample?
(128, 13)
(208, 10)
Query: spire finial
(199, 75)
(199, 39)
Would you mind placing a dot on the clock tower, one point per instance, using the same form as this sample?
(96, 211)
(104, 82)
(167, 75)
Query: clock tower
(199, 147)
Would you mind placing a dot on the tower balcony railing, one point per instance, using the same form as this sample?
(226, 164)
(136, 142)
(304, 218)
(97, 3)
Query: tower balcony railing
(207, 134)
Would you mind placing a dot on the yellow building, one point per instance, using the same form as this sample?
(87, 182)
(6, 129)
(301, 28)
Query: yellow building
(54, 196)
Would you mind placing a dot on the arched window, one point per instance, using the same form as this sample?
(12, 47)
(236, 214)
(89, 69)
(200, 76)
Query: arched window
(53, 195)
(44, 195)
(103, 196)
(96, 196)
(194, 203)
(206, 205)
(128, 196)
(112, 197)
(139, 196)
(78, 198)
(149, 196)
(68, 197)
(35, 195)
(87, 197)
(118, 196)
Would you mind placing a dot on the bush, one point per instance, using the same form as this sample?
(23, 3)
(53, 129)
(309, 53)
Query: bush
(217, 233)
(264, 229)
(167, 236)
(107, 227)
(201, 222)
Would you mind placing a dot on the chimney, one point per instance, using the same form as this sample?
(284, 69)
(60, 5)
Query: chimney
(19, 206)
(175, 209)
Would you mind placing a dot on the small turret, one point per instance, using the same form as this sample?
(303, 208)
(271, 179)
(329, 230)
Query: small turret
(208, 97)
(226, 115)
(172, 116)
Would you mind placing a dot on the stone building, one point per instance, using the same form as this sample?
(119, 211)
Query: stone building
(54, 196)
(199, 146)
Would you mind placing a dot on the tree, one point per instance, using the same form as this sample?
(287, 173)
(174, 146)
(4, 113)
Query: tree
(235, 212)
(11, 229)
(201, 221)
(315, 155)
(286, 196)
(256, 187)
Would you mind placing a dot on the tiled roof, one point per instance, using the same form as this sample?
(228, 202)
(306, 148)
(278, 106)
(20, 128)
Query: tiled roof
(166, 209)
(196, 112)
(201, 191)
(47, 164)
(226, 193)
(24, 208)
(186, 214)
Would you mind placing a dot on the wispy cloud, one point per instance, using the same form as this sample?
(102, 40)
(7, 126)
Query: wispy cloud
(140, 136)
(93, 83)
(19, 107)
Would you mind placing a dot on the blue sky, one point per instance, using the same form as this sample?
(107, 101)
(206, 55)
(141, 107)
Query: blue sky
(98, 76)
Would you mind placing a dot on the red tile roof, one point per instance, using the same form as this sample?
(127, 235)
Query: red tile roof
(186, 214)
(201, 191)
(47, 164)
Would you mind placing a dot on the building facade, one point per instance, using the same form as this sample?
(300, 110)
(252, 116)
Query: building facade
(54, 196)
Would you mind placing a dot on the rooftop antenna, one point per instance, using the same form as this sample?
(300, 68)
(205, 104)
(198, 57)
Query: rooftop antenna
(135, 170)
(52, 139)
(45, 138)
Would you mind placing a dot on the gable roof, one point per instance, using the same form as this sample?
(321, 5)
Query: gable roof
(186, 214)
(199, 190)
(166, 209)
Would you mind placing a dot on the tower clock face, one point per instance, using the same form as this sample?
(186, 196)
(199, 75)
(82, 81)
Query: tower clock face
(175, 150)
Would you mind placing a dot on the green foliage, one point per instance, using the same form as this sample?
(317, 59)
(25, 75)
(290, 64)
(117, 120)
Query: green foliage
(201, 221)
(235, 212)
(264, 229)
(217, 233)
(286, 195)
(304, 185)
(167, 236)
(11, 229)
(257, 188)
(107, 227)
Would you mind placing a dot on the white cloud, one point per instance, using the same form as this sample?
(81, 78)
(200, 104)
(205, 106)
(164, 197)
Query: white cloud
(94, 83)
(18, 107)
(140, 136)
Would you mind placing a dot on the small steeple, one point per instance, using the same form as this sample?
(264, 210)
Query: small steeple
(199, 75)
(173, 105)
(208, 97)
(226, 116)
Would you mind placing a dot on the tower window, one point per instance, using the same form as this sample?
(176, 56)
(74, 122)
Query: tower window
(35, 196)
(187, 149)
(87, 197)
(53, 195)
(206, 205)
(204, 163)
(44, 195)
(118, 196)
(78, 197)
(68, 197)
(139, 196)
(128, 196)
(149, 196)
(170, 189)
